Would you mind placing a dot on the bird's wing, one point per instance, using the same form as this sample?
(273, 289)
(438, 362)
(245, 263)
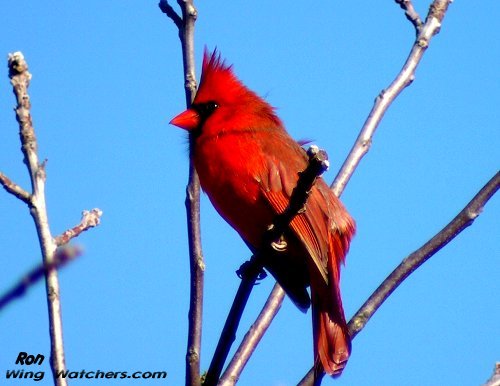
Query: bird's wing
(277, 180)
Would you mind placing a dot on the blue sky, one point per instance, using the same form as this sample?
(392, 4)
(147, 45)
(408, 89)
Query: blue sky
(107, 78)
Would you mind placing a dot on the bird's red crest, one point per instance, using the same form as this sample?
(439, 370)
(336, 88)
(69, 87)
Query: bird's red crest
(219, 84)
(218, 80)
(213, 63)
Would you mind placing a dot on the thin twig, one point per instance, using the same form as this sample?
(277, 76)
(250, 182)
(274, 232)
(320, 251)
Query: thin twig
(197, 273)
(386, 97)
(20, 78)
(62, 257)
(185, 25)
(360, 148)
(167, 9)
(253, 337)
(411, 14)
(15, 189)
(89, 220)
(251, 270)
(189, 16)
(464, 219)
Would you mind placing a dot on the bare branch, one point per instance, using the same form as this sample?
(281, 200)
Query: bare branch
(253, 269)
(89, 220)
(167, 9)
(197, 265)
(186, 34)
(61, 258)
(386, 97)
(197, 273)
(20, 78)
(464, 219)
(185, 25)
(53, 258)
(253, 337)
(411, 14)
(15, 189)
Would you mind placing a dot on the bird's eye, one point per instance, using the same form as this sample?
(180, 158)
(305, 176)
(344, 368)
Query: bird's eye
(205, 109)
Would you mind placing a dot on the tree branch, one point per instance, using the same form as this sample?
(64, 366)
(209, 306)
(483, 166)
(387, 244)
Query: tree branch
(251, 270)
(20, 78)
(411, 14)
(197, 272)
(189, 16)
(386, 97)
(89, 220)
(253, 337)
(15, 189)
(464, 219)
(52, 258)
(185, 27)
(167, 9)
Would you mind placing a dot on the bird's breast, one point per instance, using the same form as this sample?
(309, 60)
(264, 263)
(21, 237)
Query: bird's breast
(228, 167)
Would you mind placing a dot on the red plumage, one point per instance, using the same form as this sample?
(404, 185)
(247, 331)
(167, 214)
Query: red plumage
(248, 165)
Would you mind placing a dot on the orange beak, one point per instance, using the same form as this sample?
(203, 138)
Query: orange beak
(187, 120)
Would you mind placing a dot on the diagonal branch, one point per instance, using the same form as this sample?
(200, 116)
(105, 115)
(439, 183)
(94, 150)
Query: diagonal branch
(167, 9)
(253, 337)
(251, 271)
(464, 219)
(411, 14)
(15, 189)
(89, 220)
(386, 97)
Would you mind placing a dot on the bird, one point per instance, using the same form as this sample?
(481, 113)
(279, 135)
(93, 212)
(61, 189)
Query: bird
(248, 165)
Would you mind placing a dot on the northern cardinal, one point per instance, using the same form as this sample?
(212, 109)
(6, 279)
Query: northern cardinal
(248, 165)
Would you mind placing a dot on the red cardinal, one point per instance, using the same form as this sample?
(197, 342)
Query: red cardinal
(248, 165)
